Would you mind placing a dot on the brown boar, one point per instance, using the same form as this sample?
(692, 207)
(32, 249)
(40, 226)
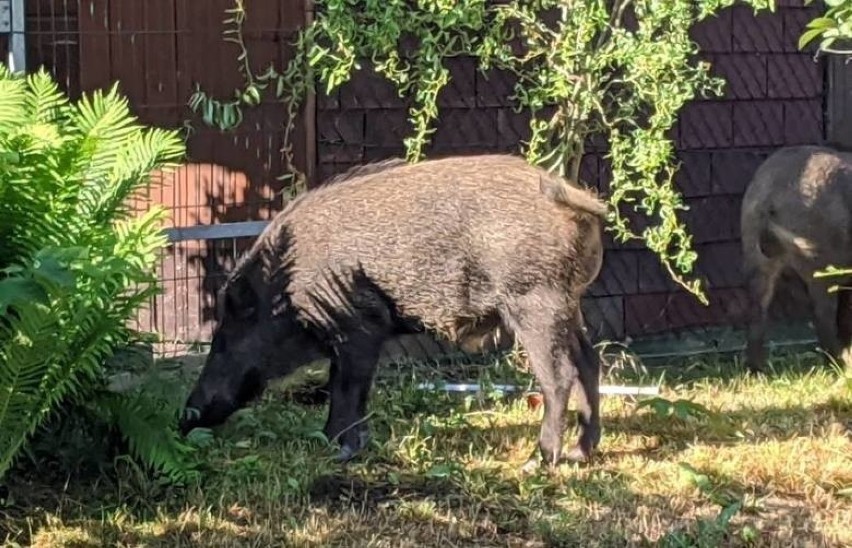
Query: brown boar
(797, 217)
(457, 245)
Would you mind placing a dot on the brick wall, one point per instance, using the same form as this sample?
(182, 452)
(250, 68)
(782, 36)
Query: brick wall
(774, 97)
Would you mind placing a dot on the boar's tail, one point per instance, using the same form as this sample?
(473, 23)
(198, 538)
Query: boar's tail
(775, 239)
(567, 194)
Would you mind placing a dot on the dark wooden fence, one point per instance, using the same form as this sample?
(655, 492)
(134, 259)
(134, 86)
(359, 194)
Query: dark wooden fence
(159, 49)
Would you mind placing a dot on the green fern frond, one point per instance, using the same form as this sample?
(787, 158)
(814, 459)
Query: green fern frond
(66, 174)
(148, 427)
(144, 152)
(45, 100)
(13, 97)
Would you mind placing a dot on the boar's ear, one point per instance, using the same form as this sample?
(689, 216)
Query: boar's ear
(240, 299)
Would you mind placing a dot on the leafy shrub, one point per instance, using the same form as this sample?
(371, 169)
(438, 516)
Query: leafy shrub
(76, 262)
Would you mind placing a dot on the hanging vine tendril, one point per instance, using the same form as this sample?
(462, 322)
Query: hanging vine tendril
(618, 69)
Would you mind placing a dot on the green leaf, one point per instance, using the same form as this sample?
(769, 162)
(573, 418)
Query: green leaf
(14, 291)
(808, 36)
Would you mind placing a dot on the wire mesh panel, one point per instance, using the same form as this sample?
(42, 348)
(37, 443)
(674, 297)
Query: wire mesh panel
(158, 51)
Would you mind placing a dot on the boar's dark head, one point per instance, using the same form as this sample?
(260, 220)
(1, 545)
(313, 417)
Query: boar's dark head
(257, 338)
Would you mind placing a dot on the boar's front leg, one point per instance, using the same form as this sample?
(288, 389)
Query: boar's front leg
(351, 377)
(844, 326)
(825, 310)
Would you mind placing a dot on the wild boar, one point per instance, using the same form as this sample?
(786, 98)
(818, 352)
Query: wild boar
(449, 245)
(797, 217)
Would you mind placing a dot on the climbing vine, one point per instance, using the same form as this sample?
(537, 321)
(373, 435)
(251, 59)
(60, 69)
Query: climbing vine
(619, 70)
(833, 26)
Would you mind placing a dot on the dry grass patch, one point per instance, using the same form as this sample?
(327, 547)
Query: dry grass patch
(740, 461)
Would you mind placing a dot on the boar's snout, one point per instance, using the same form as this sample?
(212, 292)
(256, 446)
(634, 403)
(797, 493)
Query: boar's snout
(205, 410)
(216, 396)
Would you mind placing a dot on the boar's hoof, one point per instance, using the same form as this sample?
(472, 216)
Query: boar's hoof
(346, 453)
(531, 465)
(349, 451)
(577, 454)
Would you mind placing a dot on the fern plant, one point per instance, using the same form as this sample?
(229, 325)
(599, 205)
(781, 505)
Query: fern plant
(76, 262)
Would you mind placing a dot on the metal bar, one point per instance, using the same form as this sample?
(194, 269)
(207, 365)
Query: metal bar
(609, 390)
(216, 232)
(18, 47)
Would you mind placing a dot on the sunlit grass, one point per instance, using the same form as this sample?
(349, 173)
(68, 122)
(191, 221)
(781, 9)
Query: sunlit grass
(773, 451)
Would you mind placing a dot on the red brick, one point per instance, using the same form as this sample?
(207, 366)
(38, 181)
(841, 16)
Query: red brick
(328, 101)
(693, 177)
(386, 128)
(340, 127)
(604, 317)
(326, 171)
(618, 276)
(803, 122)
(713, 219)
(726, 307)
(465, 129)
(369, 90)
(339, 153)
(460, 91)
(714, 33)
(794, 76)
(653, 277)
(757, 32)
(645, 314)
(719, 264)
(589, 170)
(744, 74)
(758, 123)
(706, 125)
(512, 128)
(604, 175)
(375, 154)
(731, 170)
(795, 21)
(494, 88)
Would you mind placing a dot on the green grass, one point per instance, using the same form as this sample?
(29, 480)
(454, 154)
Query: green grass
(763, 461)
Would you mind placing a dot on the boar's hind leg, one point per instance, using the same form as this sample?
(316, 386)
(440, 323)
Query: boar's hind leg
(844, 325)
(825, 312)
(587, 391)
(350, 379)
(761, 282)
(545, 323)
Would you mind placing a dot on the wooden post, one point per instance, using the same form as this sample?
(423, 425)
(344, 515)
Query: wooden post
(310, 117)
